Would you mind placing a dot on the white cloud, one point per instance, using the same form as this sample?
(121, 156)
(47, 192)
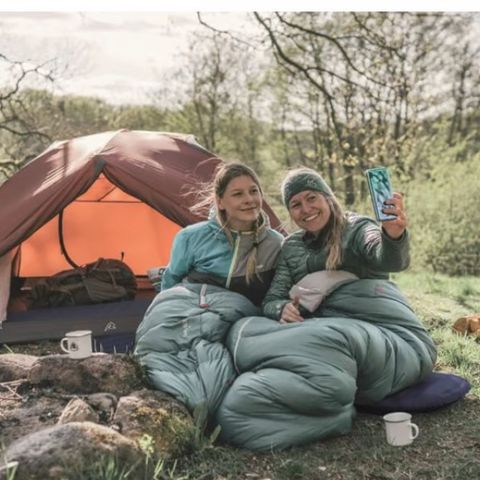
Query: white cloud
(120, 89)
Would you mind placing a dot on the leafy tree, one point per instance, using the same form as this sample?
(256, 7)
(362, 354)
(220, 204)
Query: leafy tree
(218, 98)
(375, 75)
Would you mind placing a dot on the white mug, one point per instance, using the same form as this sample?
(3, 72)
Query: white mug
(77, 344)
(399, 428)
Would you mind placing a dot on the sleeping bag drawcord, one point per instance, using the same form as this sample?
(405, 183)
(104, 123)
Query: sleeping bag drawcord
(236, 344)
(203, 296)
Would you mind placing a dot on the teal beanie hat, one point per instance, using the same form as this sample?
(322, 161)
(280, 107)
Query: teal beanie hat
(303, 179)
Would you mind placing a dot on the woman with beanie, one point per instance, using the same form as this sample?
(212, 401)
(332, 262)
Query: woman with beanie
(331, 240)
(347, 336)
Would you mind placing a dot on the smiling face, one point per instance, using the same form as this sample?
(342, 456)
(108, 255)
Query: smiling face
(310, 210)
(241, 202)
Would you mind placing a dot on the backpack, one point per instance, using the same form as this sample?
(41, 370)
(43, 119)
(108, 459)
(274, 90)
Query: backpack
(106, 280)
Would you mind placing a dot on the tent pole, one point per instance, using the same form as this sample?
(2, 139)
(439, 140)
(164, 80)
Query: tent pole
(62, 243)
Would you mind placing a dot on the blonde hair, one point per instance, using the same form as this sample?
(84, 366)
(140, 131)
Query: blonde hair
(333, 242)
(224, 174)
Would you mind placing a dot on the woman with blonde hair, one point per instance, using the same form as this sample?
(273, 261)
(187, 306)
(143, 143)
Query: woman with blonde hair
(219, 272)
(235, 248)
(342, 245)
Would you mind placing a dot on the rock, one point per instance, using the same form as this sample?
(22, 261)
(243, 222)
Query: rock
(14, 366)
(104, 404)
(158, 415)
(96, 383)
(114, 374)
(31, 415)
(69, 451)
(78, 411)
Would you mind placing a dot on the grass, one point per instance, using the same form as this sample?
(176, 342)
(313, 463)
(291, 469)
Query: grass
(106, 468)
(447, 448)
(449, 443)
(439, 300)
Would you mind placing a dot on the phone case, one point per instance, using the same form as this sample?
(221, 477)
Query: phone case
(380, 188)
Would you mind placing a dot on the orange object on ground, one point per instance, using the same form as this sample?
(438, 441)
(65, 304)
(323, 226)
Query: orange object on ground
(468, 325)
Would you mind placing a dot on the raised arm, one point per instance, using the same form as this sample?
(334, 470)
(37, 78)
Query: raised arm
(387, 247)
(380, 252)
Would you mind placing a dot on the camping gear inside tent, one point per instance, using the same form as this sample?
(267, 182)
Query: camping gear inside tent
(120, 195)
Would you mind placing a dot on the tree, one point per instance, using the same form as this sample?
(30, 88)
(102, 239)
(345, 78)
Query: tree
(15, 122)
(377, 75)
(218, 98)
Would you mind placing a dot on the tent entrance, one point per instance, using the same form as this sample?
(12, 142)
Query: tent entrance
(103, 222)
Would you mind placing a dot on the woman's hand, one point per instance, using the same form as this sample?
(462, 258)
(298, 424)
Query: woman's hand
(290, 312)
(395, 228)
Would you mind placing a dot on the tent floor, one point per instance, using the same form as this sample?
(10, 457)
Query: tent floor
(113, 324)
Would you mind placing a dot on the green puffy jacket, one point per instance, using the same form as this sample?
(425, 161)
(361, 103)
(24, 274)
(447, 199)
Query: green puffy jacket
(367, 252)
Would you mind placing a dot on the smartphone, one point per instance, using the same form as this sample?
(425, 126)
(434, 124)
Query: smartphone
(380, 188)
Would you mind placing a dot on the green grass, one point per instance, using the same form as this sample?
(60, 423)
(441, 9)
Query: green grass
(453, 295)
(447, 448)
(107, 468)
(439, 300)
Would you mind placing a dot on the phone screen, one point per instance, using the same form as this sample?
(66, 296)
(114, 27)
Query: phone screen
(380, 190)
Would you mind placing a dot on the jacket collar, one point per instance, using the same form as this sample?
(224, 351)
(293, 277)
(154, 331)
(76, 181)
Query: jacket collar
(214, 219)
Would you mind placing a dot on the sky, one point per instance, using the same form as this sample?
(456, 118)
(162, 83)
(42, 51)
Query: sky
(122, 56)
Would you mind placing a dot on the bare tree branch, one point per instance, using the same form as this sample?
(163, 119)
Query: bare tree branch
(13, 112)
(336, 42)
(283, 56)
(223, 32)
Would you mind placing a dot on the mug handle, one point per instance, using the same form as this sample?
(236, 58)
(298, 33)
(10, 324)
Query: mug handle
(65, 349)
(415, 431)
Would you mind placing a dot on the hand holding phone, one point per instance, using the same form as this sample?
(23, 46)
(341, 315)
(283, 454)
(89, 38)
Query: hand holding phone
(380, 188)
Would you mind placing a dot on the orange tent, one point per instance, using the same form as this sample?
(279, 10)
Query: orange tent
(120, 194)
(103, 222)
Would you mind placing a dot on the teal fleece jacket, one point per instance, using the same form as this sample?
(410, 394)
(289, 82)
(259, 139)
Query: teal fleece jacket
(202, 253)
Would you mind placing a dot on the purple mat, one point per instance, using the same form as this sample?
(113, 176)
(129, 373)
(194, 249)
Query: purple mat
(436, 391)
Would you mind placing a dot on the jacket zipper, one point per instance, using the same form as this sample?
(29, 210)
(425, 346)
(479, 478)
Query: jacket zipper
(234, 261)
